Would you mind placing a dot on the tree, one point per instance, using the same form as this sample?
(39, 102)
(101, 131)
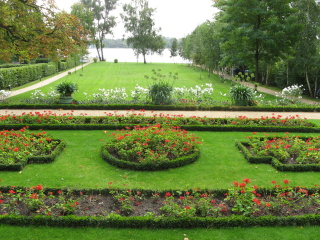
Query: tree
(256, 30)
(96, 17)
(174, 48)
(306, 56)
(28, 29)
(144, 38)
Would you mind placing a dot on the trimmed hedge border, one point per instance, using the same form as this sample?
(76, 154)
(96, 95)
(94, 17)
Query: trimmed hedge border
(36, 159)
(315, 108)
(209, 128)
(275, 162)
(178, 162)
(153, 222)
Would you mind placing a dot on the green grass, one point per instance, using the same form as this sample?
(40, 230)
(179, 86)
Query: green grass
(80, 165)
(265, 233)
(109, 75)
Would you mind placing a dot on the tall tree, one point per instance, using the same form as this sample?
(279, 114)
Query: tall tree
(174, 48)
(144, 38)
(307, 57)
(96, 16)
(28, 29)
(257, 30)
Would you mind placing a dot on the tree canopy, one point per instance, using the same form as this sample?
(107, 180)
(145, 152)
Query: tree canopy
(28, 29)
(143, 35)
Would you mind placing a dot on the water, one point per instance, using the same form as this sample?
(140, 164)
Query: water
(127, 55)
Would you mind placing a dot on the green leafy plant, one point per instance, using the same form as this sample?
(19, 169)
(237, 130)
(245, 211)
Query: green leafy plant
(160, 90)
(66, 88)
(242, 95)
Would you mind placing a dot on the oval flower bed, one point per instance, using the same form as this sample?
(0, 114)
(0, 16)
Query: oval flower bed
(242, 205)
(151, 148)
(287, 153)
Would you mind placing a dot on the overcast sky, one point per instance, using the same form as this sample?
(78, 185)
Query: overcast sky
(177, 18)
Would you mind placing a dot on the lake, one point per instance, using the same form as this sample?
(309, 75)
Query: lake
(127, 55)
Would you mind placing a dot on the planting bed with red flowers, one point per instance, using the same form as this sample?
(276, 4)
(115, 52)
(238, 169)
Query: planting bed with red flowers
(286, 152)
(152, 148)
(146, 208)
(21, 147)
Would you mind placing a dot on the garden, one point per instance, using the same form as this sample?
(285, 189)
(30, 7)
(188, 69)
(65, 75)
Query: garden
(201, 182)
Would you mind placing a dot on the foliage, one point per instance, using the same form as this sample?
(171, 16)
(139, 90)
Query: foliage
(29, 29)
(241, 95)
(66, 88)
(144, 38)
(96, 16)
(160, 91)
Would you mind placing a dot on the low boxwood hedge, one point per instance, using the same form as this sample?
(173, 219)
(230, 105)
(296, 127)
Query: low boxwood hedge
(178, 162)
(230, 128)
(315, 108)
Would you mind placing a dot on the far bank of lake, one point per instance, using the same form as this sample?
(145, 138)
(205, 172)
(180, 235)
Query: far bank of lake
(127, 55)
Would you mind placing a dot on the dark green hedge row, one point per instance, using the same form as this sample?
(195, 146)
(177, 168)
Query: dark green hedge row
(11, 65)
(117, 221)
(230, 128)
(30, 72)
(160, 107)
(36, 159)
(275, 162)
(179, 162)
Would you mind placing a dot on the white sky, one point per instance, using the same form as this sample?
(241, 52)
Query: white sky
(177, 18)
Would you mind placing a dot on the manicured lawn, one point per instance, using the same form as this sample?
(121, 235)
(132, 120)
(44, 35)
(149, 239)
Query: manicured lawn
(30, 233)
(110, 75)
(80, 166)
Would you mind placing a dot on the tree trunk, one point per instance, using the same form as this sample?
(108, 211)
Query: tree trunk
(308, 82)
(101, 49)
(144, 58)
(97, 47)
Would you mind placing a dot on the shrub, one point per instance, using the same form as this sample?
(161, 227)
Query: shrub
(241, 95)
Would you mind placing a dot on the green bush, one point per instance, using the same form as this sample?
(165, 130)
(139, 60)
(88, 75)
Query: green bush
(242, 95)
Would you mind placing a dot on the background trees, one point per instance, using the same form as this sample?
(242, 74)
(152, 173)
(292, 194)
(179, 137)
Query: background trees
(28, 29)
(276, 40)
(138, 22)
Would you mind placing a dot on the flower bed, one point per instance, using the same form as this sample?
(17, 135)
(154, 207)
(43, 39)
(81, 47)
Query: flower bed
(151, 148)
(287, 153)
(47, 117)
(21, 147)
(241, 205)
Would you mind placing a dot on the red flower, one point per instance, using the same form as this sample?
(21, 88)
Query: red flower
(16, 149)
(185, 149)
(12, 191)
(257, 201)
(181, 198)
(246, 180)
(168, 194)
(188, 207)
(268, 205)
(242, 185)
(273, 182)
(39, 187)
(236, 184)
(1, 201)
(286, 181)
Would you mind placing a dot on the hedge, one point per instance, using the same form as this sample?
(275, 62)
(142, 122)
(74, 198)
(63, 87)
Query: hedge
(116, 221)
(230, 128)
(17, 76)
(36, 159)
(178, 162)
(275, 162)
